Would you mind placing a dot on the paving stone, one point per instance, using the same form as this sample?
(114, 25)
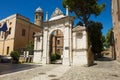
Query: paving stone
(104, 70)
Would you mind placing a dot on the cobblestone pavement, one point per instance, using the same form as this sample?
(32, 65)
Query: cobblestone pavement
(103, 70)
(6, 68)
(29, 74)
(53, 74)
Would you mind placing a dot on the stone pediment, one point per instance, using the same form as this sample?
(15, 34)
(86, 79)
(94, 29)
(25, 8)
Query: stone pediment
(57, 14)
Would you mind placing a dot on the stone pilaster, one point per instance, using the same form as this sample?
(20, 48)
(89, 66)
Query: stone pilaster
(38, 49)
(45, 50)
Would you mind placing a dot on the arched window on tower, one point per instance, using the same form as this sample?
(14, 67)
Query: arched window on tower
(36, 16)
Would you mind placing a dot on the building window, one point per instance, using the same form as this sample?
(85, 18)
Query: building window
(9, 30)
(58, 41)
(58, 50)
(23, 32)
(7, 50)
(33, 34)
(1, 34)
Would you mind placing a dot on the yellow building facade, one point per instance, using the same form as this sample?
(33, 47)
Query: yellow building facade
(19, 32)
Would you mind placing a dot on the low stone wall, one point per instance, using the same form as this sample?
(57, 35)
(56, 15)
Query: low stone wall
(25, 59)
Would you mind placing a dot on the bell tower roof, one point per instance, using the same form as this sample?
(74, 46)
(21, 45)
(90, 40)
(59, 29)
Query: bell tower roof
(39, 9)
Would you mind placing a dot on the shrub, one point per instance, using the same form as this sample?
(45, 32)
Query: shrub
(15, 56)
(53, 57)
(58, 56)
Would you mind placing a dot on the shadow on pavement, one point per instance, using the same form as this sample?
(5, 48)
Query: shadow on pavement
(104, 59)
(6, 68)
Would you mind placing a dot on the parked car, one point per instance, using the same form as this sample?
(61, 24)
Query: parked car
(5, 59)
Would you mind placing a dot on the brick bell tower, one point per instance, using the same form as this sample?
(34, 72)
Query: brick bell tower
(38, 16)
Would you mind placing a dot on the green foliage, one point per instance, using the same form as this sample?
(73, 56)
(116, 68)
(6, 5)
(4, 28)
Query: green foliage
(30, 47)
(55, 56)
(83, 9)
(103, 41)
(58, 56)
(79, 23)
(15, 56)
(108, 38)
(95, 37)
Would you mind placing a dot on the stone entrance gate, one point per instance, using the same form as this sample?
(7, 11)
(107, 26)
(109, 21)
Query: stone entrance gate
(75, 45)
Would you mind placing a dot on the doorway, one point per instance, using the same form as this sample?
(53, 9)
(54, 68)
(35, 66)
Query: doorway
(56, 47)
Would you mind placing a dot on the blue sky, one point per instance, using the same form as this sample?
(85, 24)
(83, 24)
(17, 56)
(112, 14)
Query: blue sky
(27, 9)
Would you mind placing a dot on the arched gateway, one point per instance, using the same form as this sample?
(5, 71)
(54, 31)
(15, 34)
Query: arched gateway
(74, 48)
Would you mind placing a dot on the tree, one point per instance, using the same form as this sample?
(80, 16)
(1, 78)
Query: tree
(30, 47)
(103, 41)
(95, 38)
(79, 23)
(108, 38)
(83, 9)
